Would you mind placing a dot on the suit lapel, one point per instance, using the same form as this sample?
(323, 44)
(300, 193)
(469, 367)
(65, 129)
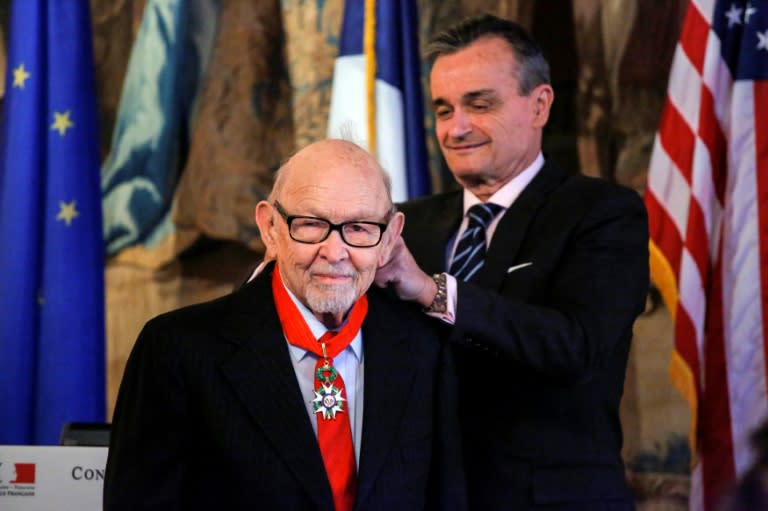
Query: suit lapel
(262, 376)
(514, 224)
(389, 371)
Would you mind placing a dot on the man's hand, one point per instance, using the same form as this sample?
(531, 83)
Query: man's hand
(406, 278)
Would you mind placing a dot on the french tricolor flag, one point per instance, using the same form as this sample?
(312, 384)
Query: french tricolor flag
(377, 98)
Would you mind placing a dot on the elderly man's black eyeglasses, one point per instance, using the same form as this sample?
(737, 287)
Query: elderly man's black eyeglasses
(310, 229)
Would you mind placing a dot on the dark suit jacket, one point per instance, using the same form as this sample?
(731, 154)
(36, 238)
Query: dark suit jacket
(542, 348)
(210, 415)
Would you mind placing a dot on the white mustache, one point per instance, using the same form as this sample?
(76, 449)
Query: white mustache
(332, 272)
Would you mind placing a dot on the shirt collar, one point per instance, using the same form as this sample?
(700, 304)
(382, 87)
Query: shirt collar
(318, 329)
(507, 194)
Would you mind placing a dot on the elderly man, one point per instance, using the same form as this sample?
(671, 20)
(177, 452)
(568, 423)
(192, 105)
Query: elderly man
(302, 390)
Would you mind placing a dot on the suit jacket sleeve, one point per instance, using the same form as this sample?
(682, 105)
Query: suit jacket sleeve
(145, 466)
(574, 307)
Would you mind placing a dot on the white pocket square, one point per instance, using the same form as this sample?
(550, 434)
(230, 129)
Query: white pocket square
(518, 266)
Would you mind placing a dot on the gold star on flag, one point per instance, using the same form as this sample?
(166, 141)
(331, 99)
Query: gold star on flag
(20, 75)
(61, 122)
(67, 212)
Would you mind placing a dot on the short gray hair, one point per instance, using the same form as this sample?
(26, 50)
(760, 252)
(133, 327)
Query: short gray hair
(533, 68)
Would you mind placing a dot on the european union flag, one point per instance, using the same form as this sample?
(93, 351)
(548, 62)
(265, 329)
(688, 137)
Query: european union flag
(52, 366)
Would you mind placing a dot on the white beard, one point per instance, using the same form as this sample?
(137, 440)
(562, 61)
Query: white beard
(330, 299)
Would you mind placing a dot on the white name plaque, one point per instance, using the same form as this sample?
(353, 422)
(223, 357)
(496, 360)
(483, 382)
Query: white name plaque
(43, 478)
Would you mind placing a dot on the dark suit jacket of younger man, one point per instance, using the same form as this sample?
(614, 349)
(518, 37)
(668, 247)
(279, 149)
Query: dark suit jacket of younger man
(542, 336)
(210, 415)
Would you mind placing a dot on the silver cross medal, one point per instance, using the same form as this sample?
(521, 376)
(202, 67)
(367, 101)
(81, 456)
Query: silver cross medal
(328, 398)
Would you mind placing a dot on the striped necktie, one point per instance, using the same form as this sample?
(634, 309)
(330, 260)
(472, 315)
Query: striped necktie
(470, 252)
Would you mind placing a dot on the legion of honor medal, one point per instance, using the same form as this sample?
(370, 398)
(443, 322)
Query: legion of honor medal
(328, 399)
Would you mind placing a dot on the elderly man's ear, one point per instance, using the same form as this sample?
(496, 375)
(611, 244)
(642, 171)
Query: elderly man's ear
(394, 229)
(265, 220)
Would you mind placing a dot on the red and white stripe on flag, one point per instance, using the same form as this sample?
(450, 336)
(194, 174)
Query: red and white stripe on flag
(707, 200)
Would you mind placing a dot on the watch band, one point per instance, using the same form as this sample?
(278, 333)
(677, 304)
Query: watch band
(440, 301)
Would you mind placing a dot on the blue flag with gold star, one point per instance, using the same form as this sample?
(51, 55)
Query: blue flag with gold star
(52, 357)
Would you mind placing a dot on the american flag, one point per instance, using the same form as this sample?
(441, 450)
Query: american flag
(707, 201)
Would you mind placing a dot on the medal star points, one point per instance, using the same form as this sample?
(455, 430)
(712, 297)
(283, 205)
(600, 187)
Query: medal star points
(328, 401)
